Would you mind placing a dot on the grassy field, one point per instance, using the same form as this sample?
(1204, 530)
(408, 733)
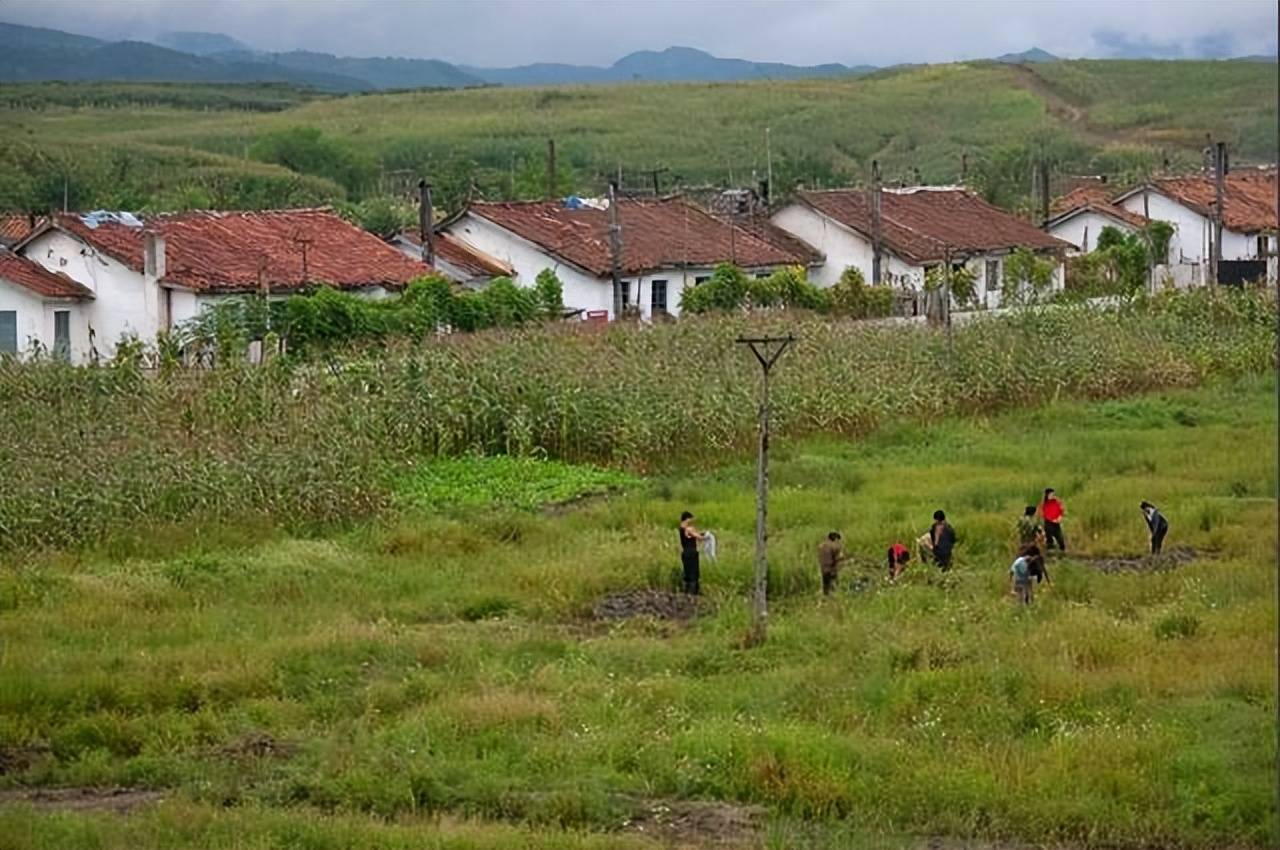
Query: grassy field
(436, 679)
(1116, 117)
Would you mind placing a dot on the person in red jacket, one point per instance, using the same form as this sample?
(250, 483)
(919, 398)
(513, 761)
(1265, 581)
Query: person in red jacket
(1051, 512)
(898, 556)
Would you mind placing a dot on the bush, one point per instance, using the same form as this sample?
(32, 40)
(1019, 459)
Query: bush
(1027, 276)
(308, 151)
(550, 294)
(852, 297)
(726, 290)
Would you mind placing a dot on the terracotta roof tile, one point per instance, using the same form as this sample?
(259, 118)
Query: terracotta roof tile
(230, 251)
(656, 234)
(14, 228)
(35, 277)
(1250, 197)
(920, 224)
(462, 256)
(1097, 199)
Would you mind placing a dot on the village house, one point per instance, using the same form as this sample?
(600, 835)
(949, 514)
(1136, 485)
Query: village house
(455, 259)
(145, 276)
(1248, 222)
(667, 245)
(1080, 215)
(39, 308)
(920, 227)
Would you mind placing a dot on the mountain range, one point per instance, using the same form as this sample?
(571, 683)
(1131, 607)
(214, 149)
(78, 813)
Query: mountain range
(34, 53)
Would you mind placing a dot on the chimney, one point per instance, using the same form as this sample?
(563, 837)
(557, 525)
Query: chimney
(153, 260)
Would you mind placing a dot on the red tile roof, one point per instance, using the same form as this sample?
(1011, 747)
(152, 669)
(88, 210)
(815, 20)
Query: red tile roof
(35, 277)
(920, 224)
(1097, 199)
(14, 228)
(1250, 197)
(657, 234)
(462, 256)
(233, 251)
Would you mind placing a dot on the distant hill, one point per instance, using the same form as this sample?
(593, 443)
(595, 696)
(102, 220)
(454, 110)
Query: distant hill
(137, 61)
(201, 43)
(16, 37)
(675, 64)
(1035, 54)
(373, 73)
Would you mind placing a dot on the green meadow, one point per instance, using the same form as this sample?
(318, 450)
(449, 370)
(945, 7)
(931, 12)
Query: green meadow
(436, 678)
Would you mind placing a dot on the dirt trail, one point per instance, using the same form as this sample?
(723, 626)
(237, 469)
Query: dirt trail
(1060, 106)
(699, 823)
(119, 800)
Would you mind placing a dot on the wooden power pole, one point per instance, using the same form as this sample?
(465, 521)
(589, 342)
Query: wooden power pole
(1219, 199)
(426, 223)
(874, 207)
(615, 250)
(767, 351)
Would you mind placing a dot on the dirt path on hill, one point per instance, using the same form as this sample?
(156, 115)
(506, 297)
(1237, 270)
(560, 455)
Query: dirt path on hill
(1062, 107)
(119, 800)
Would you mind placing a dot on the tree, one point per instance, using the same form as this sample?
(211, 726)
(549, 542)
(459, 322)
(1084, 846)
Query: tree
(963, 281)
(550, 294)
(307, 151)
(852, 297)
(1026, 277)
(726, 290)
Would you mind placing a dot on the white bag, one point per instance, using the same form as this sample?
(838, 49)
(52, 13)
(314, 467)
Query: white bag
(709, 545)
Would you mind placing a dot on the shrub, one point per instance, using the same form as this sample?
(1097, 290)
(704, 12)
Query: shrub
(852, 297)
(550, 294)
(1027, 276)
(726, 290)
(308, 151)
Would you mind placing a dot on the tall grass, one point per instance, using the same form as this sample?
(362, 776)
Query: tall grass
(89, 451)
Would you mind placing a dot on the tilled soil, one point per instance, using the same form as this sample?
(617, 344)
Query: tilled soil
(18, 759)
(1170, 559)
(698, 823)
(82, 799)
(661, 604)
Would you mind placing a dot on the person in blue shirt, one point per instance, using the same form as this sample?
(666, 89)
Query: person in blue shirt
(1020, 573)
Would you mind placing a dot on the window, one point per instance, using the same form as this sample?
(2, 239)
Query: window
(658, 297)
(1262, 246)
(626, 293)
(8, 331)
(62, 334)
(701, 279)
(762, 275)
(993, 276)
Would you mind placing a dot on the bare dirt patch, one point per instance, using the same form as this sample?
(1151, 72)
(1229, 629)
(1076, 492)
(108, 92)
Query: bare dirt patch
(1170, 559)
(18, 759)
(257, 745)
(698, 823)
(660, 604)
(118, 800)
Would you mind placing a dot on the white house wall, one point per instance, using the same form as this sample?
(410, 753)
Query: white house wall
(124, 304)
(1082, 230)
(1192, 231)
(35, 315)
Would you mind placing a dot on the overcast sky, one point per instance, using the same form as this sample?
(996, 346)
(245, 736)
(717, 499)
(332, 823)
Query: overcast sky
(597, 32)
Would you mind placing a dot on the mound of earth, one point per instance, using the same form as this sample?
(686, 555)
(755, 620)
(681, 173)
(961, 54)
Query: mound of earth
(1171, 559)
(698, 823)
(661, 604)
(256, 745)
(82, 799)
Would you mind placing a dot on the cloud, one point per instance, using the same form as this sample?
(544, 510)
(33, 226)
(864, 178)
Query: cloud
(500, 32)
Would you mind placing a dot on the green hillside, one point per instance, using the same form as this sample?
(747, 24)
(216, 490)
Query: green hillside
(1119, 117)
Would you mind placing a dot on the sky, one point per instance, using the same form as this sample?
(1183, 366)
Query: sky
(597, 32)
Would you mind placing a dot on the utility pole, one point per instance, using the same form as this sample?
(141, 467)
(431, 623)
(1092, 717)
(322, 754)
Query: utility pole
(946, 297)
(768, 167)
(874, 206)
(767, 351)
(615, 250)
(1043, 167)
(964, 169)
(1219, 194)
(551, 169)
(426, 223)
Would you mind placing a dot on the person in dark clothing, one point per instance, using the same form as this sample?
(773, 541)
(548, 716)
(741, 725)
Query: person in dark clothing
(830, 555)
(1157, 524)
(898, 556)
(1028, 529)
(943, 538)
(1051, 511)
(689, 538)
